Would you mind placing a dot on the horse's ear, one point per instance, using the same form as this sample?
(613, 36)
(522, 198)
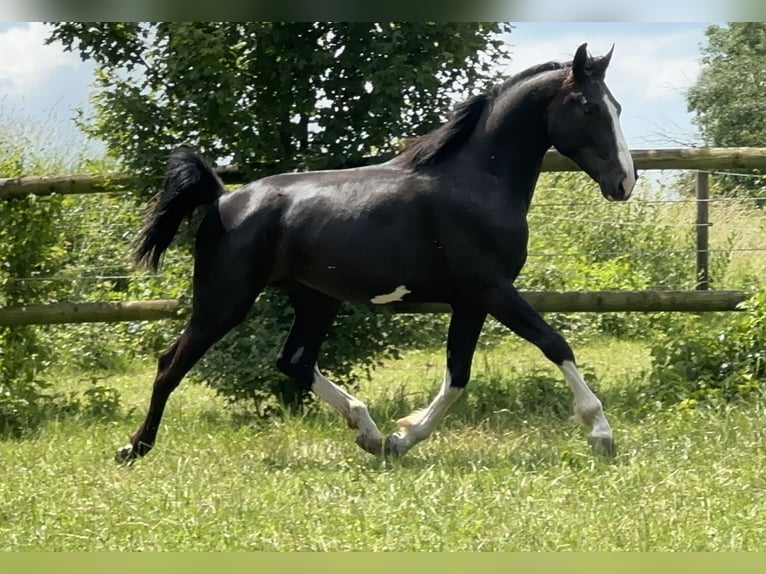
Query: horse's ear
(580, 65)
(606, 59)
(603, 63)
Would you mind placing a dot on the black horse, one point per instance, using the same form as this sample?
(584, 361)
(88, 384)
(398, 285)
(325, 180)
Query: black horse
(444, 221)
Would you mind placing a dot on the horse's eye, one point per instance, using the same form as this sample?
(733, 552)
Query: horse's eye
(589, 107)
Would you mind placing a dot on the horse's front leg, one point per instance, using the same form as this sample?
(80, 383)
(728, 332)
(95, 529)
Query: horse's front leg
(509, 307)
(464, 329)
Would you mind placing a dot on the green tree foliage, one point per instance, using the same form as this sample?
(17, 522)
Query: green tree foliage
(273, 97)
(276, 96)
(728, 98)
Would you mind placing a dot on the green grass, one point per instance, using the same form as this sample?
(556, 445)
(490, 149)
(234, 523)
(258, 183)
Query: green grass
(500, 474)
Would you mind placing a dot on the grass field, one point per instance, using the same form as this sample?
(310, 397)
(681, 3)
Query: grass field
(501, 474)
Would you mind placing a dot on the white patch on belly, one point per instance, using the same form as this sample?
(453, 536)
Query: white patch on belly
(395, 295)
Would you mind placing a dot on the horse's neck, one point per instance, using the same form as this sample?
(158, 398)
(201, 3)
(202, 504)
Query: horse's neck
(513, 150)
(514, 136)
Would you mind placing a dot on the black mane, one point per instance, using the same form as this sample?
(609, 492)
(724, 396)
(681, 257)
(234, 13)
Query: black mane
(441, 142)
(435, 145)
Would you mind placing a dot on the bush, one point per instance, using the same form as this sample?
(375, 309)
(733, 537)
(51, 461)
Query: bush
(24, 395)
(49, 248)
(708, 359)
(28, 253)
(96, 234)
(578, 241)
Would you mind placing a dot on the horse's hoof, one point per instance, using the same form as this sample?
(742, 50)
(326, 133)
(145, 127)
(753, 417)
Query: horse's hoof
(125, 455)
(603, 445)
(373, 445)
(394, 447)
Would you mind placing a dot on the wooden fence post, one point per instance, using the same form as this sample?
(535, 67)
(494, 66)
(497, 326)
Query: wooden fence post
(703, 223)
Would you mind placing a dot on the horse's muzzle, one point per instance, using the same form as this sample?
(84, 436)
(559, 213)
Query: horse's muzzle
(620, 191)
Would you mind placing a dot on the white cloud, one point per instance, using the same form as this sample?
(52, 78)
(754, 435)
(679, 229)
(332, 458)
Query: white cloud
(649, 68)
(27, 63)
(652, 66)
(646, 10)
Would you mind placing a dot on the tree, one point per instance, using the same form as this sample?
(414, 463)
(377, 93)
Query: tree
(273, 97)
(276, 96)
(729, 96)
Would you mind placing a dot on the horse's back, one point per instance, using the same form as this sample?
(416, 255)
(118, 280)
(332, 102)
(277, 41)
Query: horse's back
(349, 233)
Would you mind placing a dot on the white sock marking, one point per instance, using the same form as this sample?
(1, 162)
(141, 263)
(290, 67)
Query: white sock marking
(419, 425)
(623, 151)
(350, 408)
(396, 295)
(587, 408)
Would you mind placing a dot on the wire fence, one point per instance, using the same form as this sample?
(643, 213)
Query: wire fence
(539, 210)
(118, 223)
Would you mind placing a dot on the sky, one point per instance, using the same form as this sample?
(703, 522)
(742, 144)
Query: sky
(40, 83)
(652, 65)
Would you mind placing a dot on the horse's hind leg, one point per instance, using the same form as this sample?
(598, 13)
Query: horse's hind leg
(314, 315)
(172, 365)
(223, 293)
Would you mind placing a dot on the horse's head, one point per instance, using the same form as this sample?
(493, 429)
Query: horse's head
(584, 125)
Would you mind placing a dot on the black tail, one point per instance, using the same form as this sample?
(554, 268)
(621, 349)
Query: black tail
(189, 183)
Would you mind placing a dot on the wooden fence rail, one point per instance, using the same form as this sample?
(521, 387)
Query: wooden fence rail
(543, 301)
(595, 301)
(692, 158)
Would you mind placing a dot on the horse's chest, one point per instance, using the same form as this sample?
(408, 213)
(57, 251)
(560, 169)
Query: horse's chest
(506, 237)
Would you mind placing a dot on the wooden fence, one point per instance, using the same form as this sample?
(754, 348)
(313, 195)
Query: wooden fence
(709, 159)
(543, 301)
(704, 159)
